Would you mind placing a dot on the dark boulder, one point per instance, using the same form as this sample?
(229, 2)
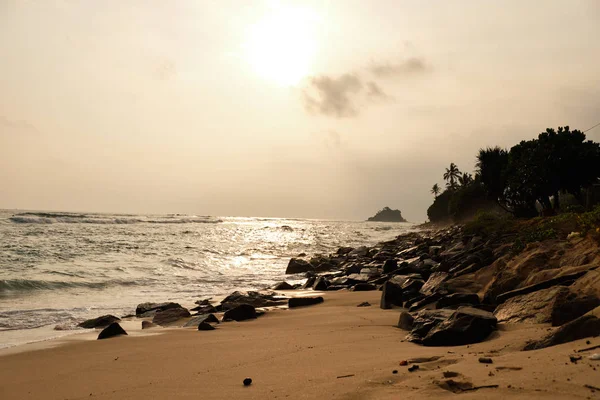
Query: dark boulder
(205, 326)
(256, 299)
(389, 266)
(298, 266)
(205, 309)
(342, 251)
(424, 321)
(406, 321)
(321, 284)
(112, 330)
(456, 299)
(148, 309)
(421, 301)
(240, 313)
(466, 325)
(283, 286)
(99, 322)
(364, 287)
(434, 283)
(304, 301)
(201, 318)
(391, 294)
(170, 315)
(309, 282)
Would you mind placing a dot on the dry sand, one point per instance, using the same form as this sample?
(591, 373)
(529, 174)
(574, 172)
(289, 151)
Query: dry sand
(296, 354)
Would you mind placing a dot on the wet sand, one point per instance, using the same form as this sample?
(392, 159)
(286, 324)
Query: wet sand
(334, 350)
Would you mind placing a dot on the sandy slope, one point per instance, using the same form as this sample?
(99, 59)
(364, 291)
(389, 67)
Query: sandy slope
(296, 354)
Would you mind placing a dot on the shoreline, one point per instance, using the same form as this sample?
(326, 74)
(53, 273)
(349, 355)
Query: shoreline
(408, 340)
(331, 350)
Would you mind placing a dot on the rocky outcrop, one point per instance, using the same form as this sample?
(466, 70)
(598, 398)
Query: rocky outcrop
(388, 215)
(112, 330)
(99, 322)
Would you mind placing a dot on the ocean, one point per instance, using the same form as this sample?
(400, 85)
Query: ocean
(57, 269)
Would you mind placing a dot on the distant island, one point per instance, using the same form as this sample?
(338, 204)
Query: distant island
(388, 215)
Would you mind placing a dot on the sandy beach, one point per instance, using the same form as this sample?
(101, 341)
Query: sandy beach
(331, 350)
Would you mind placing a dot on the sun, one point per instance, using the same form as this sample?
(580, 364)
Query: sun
(281, 46)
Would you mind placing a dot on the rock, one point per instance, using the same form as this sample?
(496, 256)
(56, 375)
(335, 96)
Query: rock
(540, 286)
(321, 284)
(201, 318)
(424, 321)
(112, 330)
(205, 326)
(434, 283)
(359, 251)
(342, 251)
(253, 298)
(364, 304)
(388, 215)
(456, 299)
(147, 325)
(205, 309)
(556, 305)
(170, 315)
(413, 368)
(240, 313)
(309, 282)
(298, 266)
(421, 301)
(99, 322)
(466, 325)
(283, 286)
(587, 325)
(147, 308)
(391, 295)
(247, 382)
(405, 321)
(389, 266)
(485, 360)
(364, 287)
(304, 301)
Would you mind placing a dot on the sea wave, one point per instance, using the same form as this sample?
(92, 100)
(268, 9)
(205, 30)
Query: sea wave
(69, 218)
(27, 285)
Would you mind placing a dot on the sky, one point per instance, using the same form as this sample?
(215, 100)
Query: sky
(308, 109)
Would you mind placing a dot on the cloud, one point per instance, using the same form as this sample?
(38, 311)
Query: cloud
(342, 96)
(333, 96)
(375, 92)
(16, 126)
(410, 66)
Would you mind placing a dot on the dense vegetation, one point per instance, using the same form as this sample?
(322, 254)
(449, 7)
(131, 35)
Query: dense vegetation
(526, 181)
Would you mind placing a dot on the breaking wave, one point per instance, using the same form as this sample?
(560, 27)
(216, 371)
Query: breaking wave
(70, 218)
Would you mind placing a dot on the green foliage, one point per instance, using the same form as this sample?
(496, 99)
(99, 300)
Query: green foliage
(438, 211)
(488, 223)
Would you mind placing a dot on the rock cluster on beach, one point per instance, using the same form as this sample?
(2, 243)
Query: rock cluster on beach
(456, 288)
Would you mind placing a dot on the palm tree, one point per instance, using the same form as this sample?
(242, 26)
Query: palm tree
(452, 174)
(465, 179)
(435, 190)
